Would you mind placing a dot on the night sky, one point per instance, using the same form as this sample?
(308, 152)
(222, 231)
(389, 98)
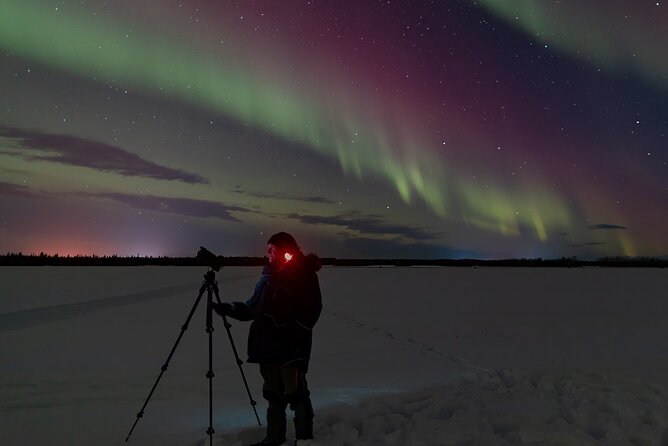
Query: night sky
(443, 129)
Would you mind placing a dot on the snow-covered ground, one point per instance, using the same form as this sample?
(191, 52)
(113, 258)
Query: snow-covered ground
(401, 356)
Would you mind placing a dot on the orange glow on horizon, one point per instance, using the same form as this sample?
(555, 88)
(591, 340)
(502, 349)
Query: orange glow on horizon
(76, 247)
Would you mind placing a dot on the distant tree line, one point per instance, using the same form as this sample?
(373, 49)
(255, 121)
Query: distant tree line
(42, 259)
(568, 262)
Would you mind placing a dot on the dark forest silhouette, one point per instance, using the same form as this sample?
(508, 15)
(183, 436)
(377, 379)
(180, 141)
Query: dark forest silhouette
(42, 259)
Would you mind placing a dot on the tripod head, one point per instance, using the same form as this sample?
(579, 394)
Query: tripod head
(210, 277)
(210, 259)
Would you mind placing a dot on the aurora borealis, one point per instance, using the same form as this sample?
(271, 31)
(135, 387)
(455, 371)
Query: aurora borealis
(367, 129)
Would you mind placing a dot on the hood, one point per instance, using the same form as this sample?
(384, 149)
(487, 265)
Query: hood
(312, 261)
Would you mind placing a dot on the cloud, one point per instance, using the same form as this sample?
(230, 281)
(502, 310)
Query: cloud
(367, 224)
(279, 196)
(582, 245)
(182, 206)
(75, 151)
(12, 171)
(607, 226)
(16, 190)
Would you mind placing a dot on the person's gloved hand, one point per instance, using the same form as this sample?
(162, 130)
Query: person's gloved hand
(224, 308)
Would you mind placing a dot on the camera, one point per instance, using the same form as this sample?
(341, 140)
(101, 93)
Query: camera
(210, 259)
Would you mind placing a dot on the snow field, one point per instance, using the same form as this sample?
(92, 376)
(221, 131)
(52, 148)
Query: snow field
(411, 356)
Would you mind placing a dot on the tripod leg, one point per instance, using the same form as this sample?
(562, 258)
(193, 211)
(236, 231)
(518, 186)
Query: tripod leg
(236, 355)
(210, 374)
(184, 327)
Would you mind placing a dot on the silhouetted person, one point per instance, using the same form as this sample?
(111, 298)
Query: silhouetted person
(284, 309)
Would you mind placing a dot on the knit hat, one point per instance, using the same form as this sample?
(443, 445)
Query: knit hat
(283, 240)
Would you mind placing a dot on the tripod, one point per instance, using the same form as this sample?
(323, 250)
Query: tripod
(210, 285)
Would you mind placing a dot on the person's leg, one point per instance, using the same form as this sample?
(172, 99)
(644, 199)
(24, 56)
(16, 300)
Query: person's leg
(298, 395)
(303, 418)
(274, 392)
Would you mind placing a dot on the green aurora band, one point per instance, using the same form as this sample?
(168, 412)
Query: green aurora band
(621, 44)
(103, 51)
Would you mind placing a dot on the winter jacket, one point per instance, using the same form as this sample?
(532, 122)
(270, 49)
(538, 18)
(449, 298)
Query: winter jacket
(284, 309)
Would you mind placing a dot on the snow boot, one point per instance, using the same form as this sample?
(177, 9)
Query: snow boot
(276, 426)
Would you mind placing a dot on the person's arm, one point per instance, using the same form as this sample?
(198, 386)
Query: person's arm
(243, 311)
(251, 309)
(236, 310)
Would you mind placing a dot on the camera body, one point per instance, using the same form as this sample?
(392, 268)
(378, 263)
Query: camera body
(210, 259)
